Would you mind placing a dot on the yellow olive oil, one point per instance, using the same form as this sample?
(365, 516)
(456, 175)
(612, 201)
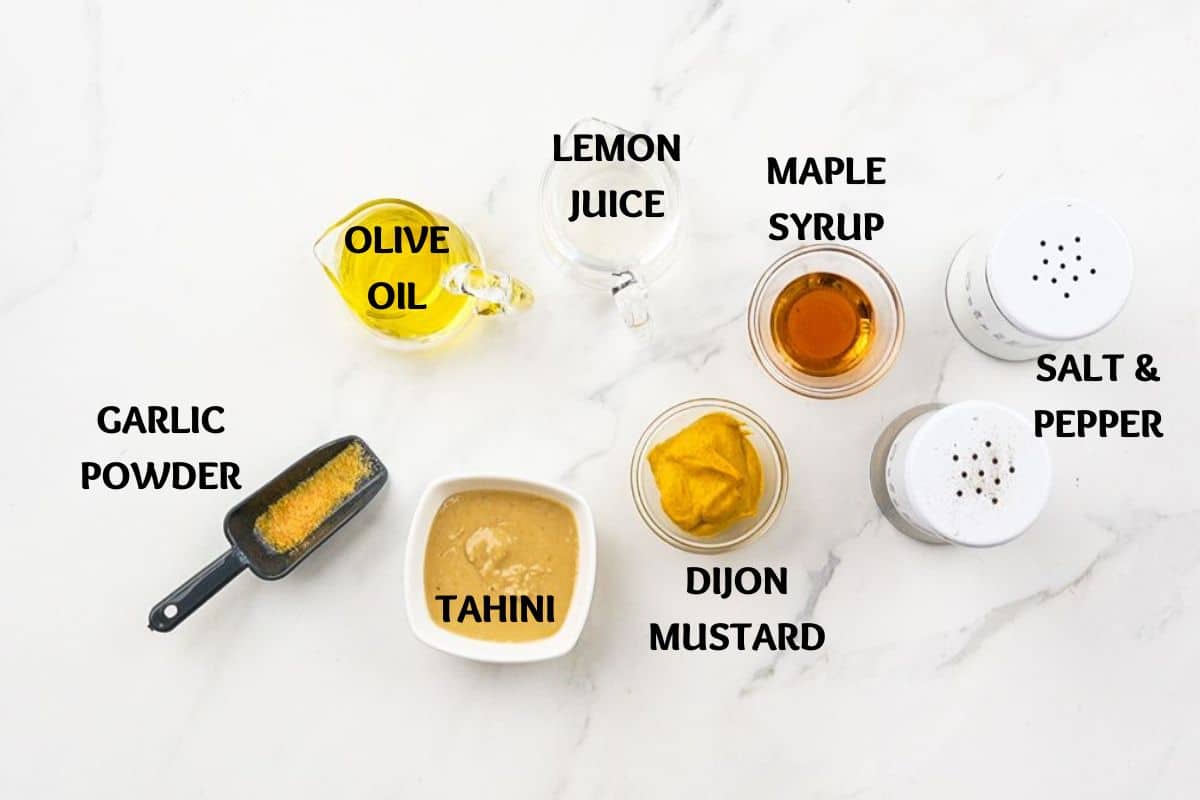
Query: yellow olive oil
(385, 255)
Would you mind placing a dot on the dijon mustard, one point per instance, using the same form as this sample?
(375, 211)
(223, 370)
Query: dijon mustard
(709, 475)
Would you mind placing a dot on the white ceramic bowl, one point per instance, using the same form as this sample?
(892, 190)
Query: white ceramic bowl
(438, 637)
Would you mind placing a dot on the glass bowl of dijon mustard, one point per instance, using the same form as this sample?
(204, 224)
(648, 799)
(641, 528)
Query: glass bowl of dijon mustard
(709, 475)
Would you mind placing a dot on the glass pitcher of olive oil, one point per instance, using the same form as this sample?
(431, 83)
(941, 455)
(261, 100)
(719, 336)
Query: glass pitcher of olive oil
(412, 276)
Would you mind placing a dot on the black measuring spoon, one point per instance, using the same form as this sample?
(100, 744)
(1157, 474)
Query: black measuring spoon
(246, 549)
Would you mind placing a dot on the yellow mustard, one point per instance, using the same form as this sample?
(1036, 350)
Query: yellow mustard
(708, 475)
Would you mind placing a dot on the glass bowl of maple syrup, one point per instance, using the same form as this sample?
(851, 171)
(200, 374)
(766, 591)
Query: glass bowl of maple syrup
(826, 321)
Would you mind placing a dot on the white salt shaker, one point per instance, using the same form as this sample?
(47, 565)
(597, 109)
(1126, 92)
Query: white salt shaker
(969, 473)
(1054, 273)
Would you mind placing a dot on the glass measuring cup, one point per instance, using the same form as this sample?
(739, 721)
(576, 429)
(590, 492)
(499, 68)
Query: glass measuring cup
(621, 254)
(412, 276)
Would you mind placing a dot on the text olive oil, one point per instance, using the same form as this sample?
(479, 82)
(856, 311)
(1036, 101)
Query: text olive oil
(823, 324)
(391, 267)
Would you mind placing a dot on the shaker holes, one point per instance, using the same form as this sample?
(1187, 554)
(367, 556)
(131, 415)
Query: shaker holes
(1062, 265)
(981, 479)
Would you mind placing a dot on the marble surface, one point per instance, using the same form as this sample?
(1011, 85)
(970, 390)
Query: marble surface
(165, 168)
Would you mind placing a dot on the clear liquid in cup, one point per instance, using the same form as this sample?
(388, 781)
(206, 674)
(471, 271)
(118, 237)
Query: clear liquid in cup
(612, 242)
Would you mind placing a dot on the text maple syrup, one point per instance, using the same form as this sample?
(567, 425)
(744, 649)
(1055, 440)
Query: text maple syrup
(823, 324)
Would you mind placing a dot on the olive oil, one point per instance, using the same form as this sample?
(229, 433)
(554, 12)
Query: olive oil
(406, 267)
(823, 324)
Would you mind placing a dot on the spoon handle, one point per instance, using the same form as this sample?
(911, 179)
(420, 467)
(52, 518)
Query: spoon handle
(179, 604)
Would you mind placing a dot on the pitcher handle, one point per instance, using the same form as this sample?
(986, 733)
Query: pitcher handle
(633, 302)
(494, 292)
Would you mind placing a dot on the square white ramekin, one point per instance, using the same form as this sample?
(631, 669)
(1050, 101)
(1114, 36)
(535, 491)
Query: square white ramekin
(439, 638)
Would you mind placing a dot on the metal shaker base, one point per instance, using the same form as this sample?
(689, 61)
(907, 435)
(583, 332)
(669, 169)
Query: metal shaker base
(878, 475)
(960, 312)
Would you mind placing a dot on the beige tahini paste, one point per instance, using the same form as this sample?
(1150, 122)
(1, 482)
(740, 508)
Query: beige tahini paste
(500, 565)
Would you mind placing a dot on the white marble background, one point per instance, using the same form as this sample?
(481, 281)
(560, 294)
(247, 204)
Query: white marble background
(164, 168)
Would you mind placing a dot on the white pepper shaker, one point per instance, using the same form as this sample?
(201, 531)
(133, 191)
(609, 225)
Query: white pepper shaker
(969, 473)
(1054, 273)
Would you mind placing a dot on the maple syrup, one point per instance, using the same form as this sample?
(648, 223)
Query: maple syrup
(823, 324)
